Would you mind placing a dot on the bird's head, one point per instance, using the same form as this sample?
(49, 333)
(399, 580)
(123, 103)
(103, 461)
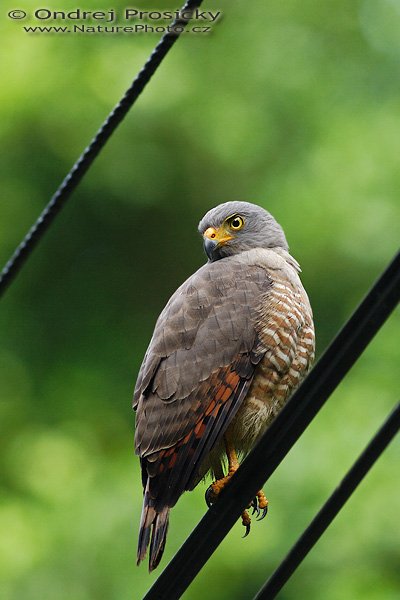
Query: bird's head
(234, 227)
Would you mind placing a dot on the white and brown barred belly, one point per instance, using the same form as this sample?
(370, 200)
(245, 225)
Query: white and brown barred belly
(287, 331)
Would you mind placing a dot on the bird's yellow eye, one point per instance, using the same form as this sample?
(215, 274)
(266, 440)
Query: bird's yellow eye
(236, 223)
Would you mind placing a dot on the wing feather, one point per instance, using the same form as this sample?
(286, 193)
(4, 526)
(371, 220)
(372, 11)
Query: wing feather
(196, 372)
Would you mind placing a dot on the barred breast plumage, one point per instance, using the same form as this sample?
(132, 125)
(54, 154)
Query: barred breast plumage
(290, 341)
(287, 342)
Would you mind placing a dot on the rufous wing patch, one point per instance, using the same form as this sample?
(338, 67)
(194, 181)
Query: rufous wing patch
(174, 469)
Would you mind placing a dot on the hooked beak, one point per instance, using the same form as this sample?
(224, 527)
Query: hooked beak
(209, 247)
(214, 239)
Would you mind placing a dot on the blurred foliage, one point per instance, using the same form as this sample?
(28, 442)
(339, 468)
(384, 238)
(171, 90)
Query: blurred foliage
(294, 105)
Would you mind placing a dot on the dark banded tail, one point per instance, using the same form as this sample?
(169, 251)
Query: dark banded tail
(153, 529)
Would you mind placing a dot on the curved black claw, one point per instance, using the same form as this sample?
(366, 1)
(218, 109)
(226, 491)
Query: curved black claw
(247, 530)
(263, 514)
(254, 506)
(210, 496)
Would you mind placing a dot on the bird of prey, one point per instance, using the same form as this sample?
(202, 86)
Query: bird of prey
(228, 349)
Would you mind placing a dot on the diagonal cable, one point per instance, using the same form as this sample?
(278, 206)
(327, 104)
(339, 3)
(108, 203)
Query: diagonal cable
(88, 156)
(332, 507)
(279, 438)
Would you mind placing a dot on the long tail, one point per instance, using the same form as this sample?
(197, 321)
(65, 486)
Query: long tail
(154, 524)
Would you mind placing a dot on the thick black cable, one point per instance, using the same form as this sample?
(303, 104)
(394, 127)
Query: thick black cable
(88, 156)
(280, 436)
(332, 507)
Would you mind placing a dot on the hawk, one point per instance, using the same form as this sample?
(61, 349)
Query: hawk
(228, 349)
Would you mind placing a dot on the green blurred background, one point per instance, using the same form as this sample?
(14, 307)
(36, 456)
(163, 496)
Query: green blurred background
(293, 105)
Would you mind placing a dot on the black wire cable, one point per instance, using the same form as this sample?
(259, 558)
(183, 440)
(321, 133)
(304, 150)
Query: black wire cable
(88, 156)
(280, 436)
(332, 507)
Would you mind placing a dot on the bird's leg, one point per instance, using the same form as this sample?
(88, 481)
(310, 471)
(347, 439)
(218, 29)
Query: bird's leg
(233, 465)
(216, 488)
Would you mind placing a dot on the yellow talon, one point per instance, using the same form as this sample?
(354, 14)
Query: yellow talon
(262, 500)
(246, 521)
